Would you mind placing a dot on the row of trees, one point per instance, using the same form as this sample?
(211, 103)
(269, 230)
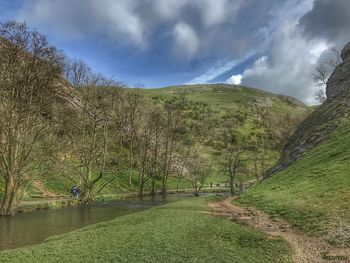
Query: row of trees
(99, 123)
(29, 69)
(57, 110)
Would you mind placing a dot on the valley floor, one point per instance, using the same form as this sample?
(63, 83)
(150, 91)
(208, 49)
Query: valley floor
(184, 231)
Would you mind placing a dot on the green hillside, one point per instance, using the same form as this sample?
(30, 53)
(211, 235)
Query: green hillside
(212, 112)
(313, 193)
(310, 185)
(252, 116)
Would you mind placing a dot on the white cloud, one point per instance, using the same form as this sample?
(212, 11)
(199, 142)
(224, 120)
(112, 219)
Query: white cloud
(212, 12)
(200, 30)
(186, 40)
(117, 20)
(235, 79)
(259, 67)
(169, 9)
(288, 68)
(122, 19)
(220, 68)
(289, 59)
(216, 12)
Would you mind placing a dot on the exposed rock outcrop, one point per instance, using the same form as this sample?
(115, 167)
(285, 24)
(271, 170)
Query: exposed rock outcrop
(320, 124)
(339, 82)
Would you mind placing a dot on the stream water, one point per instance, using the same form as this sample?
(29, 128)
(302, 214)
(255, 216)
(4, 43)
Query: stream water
(34, 227)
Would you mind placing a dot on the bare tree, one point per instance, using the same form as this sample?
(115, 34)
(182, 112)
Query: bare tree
(156, 120)
(198, 170)
(233, 163)
(133, 109)
(323, 72)
(172, 122)
(91, 137)
(29, 72)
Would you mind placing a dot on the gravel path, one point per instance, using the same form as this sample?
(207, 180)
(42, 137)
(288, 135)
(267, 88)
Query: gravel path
(306, 249)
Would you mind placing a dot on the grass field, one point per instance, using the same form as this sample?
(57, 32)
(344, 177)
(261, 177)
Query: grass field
(177, 232)
(313, 193)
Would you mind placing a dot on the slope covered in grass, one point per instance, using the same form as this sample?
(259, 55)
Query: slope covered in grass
(213, 113)
(177, 232)
(251, 116)
(313, 193)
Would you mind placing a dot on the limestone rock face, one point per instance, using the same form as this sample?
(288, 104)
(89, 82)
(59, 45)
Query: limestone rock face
(339, 82)
(321, 123)
(345, 54)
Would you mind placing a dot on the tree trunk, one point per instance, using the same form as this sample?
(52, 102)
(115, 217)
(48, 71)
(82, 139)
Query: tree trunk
(130, 162)
(153, 186)
(142, 185)
(178, 185)
(7, 208)
(164, 185)
(232, 186)
(86, 196)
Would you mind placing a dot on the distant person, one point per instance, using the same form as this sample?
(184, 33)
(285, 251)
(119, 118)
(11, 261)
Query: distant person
(77, 192)
(74, 192)
(211, 185)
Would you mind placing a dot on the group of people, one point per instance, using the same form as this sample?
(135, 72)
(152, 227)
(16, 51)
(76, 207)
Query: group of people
(74, 192)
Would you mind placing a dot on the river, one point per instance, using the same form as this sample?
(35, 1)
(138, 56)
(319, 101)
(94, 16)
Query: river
(34, 227)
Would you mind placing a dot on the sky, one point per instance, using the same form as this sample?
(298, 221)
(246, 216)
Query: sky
(273, 45)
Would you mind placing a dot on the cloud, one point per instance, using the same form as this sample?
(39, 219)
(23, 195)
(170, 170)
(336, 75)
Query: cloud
(186, 40)
(288, 59)
(121, 21)
(329, 19)
(83, 18)
(122, 18)
(260, 67)
(235, 79)
(288, 68)
(219, 69)
(179, 38)
(217, 12)
(169, 9)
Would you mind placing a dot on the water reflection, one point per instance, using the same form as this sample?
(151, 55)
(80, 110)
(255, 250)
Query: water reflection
(35, 227)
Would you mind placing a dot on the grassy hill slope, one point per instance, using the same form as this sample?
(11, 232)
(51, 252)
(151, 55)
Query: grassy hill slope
(250, 113)
(310, 185)
(313, 193)
(254, 116)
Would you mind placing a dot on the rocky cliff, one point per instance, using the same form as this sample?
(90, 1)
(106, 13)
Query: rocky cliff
(322, 122)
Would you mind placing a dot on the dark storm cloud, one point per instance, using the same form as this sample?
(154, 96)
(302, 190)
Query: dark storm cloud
(329, 19)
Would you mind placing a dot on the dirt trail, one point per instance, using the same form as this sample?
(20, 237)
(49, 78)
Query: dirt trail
(306, 249)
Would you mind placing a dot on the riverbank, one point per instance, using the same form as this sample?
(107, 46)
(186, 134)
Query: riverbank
(33, 204)
(177, 232)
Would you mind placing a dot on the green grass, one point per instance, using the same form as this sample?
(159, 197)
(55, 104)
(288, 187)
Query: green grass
(177, 232)
(225, 104)
(313, 193)
(242, 106)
